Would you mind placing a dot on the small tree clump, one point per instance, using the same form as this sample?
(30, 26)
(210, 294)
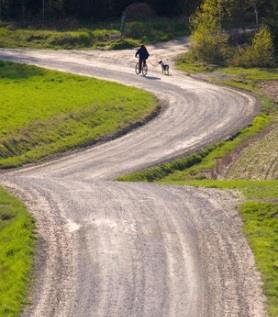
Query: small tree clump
(208, 41)
(259, 54)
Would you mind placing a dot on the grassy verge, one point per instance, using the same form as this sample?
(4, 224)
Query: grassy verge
(45, 112)
(260, 210)
(199, 165)
(16, 249)
(184, 62)
(96, 36)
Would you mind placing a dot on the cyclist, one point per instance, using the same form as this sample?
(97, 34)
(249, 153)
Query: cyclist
(143, 56)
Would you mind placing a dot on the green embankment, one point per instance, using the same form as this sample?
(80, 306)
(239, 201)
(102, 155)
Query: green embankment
(45, 112)
(17, 241)
(101, 35)
(260, 210)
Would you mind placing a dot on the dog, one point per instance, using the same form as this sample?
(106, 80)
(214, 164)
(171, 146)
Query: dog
(164, 67)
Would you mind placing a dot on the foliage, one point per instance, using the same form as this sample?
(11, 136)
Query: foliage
(259, 54)
(98, 35)
(16, 250)
(208, 41)
(124, 44)
(234, 13)
(88, 9)
(60, 111)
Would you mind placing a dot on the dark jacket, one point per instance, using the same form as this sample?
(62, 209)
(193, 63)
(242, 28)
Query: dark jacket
(143, 53)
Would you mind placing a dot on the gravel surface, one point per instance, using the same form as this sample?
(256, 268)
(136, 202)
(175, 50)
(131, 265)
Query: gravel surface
(121, 249)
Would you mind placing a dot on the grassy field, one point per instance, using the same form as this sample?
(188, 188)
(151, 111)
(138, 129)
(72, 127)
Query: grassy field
(260, 210)
(96, 36)
(16, 248)
(45, 112)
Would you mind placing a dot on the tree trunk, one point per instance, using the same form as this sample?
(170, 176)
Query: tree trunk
(123, 23)
(256, 14)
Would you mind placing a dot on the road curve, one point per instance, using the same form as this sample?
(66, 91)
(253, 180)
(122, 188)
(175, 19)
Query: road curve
(120, 249)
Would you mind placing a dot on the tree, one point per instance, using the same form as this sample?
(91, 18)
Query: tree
(259, 54)
(208, 42)
(262, 47)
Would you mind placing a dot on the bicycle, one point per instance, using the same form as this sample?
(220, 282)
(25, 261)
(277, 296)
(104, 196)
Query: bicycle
(144, 69)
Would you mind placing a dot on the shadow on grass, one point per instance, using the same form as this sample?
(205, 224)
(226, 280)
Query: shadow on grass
(13, 71)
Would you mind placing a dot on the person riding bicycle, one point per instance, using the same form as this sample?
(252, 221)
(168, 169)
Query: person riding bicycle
(143, 56)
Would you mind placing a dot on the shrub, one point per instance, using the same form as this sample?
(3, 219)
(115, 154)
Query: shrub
(70, 40)
(124, 44)
(209, 45)
(259, 54)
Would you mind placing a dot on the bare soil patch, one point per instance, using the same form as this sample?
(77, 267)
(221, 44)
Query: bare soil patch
(270, 89)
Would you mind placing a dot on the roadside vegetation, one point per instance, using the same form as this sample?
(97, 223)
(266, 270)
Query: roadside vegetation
(45, 112)
(213, 41)
(100, 35)
(17, 240)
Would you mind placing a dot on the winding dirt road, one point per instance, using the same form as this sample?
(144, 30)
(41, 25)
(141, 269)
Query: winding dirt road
(121, 249)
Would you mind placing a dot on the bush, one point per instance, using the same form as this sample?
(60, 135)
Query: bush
(124, 44)
(259, 54)
(209, 45)
(70, 40)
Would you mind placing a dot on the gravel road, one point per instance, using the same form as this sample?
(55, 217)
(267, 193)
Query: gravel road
(122, 249)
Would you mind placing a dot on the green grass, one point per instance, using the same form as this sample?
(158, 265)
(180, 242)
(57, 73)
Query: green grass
(237, 77)
(47, 38)
(45, 112)
(101, 35)
(16, 249)
(255, 74)
(187, 64)
(261, 228)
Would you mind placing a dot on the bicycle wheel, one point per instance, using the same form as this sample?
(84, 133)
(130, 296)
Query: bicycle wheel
(137, 71)
(145, 70)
